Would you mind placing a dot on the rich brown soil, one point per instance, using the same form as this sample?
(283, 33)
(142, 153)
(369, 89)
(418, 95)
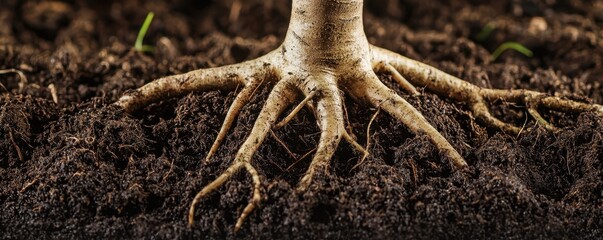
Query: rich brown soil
(82, 168)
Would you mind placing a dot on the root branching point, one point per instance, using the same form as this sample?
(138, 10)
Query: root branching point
(323, 60)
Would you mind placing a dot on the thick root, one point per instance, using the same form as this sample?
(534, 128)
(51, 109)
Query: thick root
(239, 102)
(325, 51)
(223, 78)
(383, 66)
(449, 86)
(256, 197)
(536, 99)
(323, 98)
(280, 98)
(329, 114)
(322, 83)
(481, 111)
(371, 90)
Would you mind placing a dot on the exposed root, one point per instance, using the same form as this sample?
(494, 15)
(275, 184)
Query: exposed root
(225, 78)
(239, 102)
(210, 188)
(323, 97)
(17, 148)
(329, 114)
(300, 159)
(537, 99)
(407, 86)
(324, 60)
(280, 98)
(53, 93)
(29, 184)
(348, 126)
(536, 115)
(355, 144)
(481, 111)
(282, 144)
(255, 198)
(373, 91)
(368, 139)
(449, 86)
(22, 78)
(295, 111)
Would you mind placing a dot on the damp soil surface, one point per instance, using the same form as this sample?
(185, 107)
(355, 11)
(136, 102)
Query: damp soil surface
(74, 166)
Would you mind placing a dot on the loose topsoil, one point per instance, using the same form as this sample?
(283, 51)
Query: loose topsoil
(82, 168)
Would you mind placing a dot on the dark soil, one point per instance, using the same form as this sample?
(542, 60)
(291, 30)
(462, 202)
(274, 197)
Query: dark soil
(81, 168)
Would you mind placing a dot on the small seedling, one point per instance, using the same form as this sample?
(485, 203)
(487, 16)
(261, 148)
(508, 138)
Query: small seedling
(513, 46)
(138, 46)
(486, 32)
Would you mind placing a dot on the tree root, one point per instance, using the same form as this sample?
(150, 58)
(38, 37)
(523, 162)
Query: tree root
(239, 102)
(325, 54)
(22, 78)
(279, 99)
(368, 140)
(449, 86)
(321, 88)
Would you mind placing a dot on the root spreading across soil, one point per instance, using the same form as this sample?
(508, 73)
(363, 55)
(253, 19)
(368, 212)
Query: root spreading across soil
(73, 165)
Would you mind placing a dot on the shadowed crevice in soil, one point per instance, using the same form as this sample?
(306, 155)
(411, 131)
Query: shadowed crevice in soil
(81, 168)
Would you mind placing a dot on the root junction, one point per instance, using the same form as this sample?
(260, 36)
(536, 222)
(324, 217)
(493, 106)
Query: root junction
(326, 54)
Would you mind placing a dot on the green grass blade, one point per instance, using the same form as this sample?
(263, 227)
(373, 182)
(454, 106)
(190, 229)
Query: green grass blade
(141, 34)
(486, 32)
(513, 46)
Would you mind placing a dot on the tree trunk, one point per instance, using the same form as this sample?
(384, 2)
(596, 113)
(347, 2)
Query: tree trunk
(326, 34)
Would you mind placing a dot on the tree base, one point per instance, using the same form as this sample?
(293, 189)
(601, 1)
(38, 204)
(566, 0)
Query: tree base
(323, 95)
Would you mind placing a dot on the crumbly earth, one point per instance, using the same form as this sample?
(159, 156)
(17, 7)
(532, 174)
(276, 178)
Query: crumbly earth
(82, 168)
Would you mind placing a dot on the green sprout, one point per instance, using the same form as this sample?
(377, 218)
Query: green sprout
(486, 31)
(513, 46)
(142, 32)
